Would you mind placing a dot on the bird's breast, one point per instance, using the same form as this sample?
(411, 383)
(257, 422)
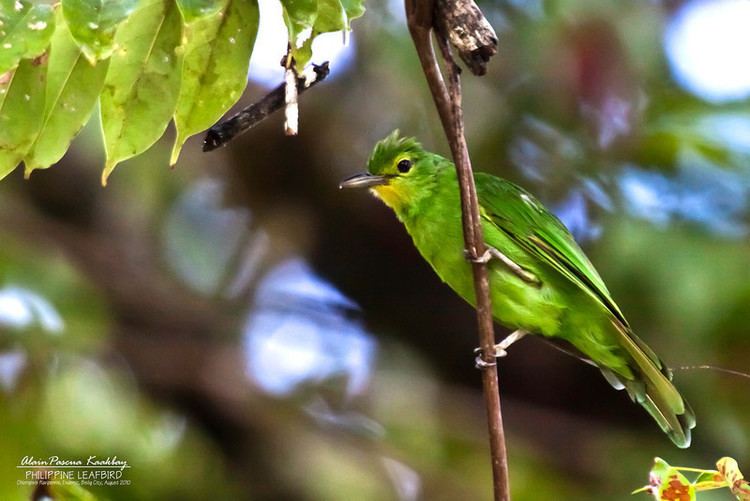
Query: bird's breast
(516, 304)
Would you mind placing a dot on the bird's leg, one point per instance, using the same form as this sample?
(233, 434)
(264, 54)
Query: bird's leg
(492, 252)
(502, 346)
(500, 349)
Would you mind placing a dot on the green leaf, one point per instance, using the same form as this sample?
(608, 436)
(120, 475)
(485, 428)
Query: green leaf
(305, 19)
(299, 17)
(93, 23)
(197, 9)
(331, 17)
(73, 86)
(143, 82)
(25, 31)
(354, 9)
(21, 110)
(214, 70)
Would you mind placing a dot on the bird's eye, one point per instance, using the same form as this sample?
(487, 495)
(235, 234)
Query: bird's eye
(404, 166)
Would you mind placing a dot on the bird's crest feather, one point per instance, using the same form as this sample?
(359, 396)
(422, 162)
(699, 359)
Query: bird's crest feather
(386, 151)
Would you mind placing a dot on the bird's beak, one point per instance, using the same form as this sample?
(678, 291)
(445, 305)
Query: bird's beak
(364, 180)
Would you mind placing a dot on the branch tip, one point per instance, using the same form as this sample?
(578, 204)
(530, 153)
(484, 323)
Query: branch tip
(223, 132)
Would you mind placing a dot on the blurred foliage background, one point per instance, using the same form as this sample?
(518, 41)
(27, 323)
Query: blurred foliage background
(237, 328)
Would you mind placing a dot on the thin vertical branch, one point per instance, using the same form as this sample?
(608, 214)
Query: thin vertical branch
(420, 18)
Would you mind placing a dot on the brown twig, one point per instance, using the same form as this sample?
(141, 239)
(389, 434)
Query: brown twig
(421, 18)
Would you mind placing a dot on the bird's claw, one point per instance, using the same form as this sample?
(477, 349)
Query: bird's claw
(491, 253)
(483, 259)
(481, 363)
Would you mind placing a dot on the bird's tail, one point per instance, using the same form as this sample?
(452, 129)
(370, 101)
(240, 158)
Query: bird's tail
(652, 387)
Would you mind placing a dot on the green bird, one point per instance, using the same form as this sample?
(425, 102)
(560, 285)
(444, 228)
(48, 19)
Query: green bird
(541, 282)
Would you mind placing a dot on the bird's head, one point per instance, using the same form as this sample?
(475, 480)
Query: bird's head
(400, 172)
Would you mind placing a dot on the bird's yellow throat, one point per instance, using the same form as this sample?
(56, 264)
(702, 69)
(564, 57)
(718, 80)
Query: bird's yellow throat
(392, 196)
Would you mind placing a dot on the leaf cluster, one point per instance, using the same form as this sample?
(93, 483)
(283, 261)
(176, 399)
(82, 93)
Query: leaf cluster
(144, 63)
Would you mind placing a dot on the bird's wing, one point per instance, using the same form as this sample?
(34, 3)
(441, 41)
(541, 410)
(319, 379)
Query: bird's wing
(527, 222)
(518, 214)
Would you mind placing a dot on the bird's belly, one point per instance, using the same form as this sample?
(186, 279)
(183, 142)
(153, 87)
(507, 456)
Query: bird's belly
(515, 304)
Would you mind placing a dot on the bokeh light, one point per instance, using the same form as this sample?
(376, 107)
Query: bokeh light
(707, 43)
(20, 308)
(299, 332)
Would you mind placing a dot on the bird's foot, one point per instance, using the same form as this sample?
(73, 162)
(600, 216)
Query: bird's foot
(483, 259)
(480, 363)
(500, 349)
(492, 252)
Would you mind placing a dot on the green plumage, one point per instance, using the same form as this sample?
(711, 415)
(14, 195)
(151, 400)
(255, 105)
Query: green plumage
(572, 303)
